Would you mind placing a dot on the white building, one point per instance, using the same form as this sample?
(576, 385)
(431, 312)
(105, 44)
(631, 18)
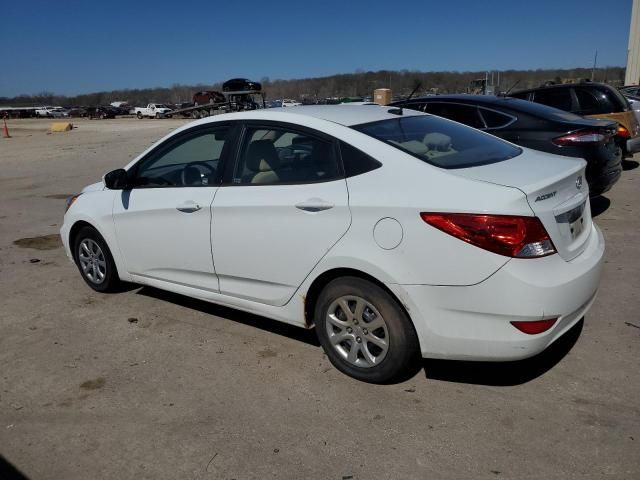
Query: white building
(632, 76)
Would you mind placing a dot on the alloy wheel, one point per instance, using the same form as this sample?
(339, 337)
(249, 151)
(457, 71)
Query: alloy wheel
(92, 261)
(357, 331)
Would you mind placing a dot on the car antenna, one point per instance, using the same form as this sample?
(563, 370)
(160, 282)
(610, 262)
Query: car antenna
(398, 111)
(511, 88)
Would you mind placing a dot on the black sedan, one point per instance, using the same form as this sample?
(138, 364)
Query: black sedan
(537, 127)
(241, 85)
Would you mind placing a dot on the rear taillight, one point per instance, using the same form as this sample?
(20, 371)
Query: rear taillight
(535, 327)
(509, 235)
(580, 138)
(622, 132)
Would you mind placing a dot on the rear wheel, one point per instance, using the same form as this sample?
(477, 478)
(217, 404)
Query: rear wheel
(94, 260)
(364, 332)
(139, 115)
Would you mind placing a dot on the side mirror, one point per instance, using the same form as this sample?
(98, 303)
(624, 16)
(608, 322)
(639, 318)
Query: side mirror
(116, 179)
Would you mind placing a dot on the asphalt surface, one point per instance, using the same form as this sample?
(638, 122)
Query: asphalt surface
(149, 385)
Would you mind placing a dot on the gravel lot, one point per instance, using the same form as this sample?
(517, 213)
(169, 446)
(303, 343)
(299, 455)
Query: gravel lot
(150, 385)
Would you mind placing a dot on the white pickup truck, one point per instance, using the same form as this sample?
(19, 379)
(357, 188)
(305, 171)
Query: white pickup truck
(153, 110)
(46, 111)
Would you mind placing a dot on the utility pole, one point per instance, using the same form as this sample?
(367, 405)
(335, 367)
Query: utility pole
(593, 70)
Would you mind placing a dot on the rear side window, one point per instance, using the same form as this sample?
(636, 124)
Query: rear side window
(495, 119)
(554, 97)
(356, 162)
(459, 113)
(439, 142)
(591, 102)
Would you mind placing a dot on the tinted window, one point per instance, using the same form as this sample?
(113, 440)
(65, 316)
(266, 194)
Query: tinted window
(419, 106)
(356, 162)
(190, 160)
(459, 113)
(554, 97)
(440, 142)
(271, 156)
(589, 103)
(495, 119)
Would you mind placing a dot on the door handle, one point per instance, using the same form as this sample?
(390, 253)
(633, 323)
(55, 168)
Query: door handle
(314, 205)
(188, 207)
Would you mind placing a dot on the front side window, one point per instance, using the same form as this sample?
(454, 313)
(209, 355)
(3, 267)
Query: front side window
(440, 142)
(189, 161)
(279, 155)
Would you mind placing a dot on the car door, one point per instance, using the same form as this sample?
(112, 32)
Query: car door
(163, 222)
(279, 211)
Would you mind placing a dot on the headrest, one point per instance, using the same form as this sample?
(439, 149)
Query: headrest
(262, 156)
(437, 141)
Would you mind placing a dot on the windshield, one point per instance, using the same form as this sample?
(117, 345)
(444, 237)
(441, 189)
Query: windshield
(440, 142)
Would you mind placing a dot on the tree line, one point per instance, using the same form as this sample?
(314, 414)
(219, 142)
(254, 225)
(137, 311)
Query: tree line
(358, 84)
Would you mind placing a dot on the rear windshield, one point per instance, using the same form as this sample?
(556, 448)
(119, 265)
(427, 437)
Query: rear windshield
(440, 142)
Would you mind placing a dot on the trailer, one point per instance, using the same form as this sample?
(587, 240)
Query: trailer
(236, 101)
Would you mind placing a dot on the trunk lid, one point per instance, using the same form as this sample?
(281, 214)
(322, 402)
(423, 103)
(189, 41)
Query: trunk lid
(556, 190)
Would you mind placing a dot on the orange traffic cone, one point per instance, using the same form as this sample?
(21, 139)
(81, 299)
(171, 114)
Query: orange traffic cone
(5, 130)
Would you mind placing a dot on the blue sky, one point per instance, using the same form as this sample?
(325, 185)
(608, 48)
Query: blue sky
(74, 46)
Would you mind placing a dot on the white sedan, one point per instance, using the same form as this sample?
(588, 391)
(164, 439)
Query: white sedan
(396, 234)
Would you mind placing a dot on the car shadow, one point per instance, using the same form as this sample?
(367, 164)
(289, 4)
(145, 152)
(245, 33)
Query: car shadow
(273, 326)
(599, 205)
(504, 374)
(9, 472)
(629, 165)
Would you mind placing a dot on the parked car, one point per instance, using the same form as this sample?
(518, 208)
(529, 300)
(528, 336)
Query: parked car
(466, 253)
(208, 96)
(596, 100)
(153, 110)
(536, 126)
(100, 113)
(77, 112)
(241, 85)
(633, 90)
(59, 113)
(287, 102)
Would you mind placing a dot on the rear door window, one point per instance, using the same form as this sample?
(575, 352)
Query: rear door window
(466, 114)
(555, 97)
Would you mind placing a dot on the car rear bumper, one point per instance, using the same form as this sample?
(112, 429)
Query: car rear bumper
(473, 322)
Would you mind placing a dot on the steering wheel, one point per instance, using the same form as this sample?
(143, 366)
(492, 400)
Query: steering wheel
(192, 168)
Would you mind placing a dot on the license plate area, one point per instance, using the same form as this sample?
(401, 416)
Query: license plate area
(573, 221)
(576, 228)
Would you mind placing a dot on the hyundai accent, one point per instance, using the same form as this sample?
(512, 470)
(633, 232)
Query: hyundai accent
(395, 234)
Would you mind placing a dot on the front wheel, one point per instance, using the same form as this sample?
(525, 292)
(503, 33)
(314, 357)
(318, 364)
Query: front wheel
(95, 262)
(364, 331)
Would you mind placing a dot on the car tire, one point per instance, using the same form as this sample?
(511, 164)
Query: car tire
(195, 114)
(102, 116)
(139, 115)
(375, 341)
(94, 261)
(157, 116)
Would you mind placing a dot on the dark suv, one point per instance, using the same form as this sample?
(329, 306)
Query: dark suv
(596, 100)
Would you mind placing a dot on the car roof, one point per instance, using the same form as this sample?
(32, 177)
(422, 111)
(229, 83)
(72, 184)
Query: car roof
(484, 100)
(347, 115)
(560, 86)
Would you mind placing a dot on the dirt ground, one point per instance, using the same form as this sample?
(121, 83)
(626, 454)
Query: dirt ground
(150, 385)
